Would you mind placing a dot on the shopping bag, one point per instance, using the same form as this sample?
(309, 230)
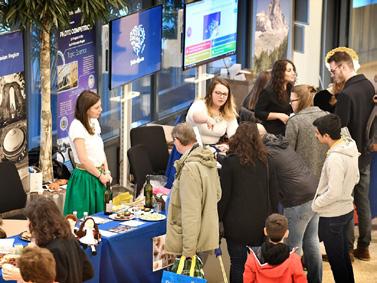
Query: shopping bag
(185, 271)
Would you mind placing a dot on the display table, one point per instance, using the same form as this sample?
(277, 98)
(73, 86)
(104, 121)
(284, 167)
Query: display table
(123, 257)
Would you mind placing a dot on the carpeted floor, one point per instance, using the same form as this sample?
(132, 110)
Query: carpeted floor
(365, 271)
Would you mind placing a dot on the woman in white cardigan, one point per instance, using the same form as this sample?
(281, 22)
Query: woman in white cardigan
(216, 115)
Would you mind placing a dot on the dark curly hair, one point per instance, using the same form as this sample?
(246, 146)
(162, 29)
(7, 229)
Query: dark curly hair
(247, 144)
(46, 221)
(277, 80)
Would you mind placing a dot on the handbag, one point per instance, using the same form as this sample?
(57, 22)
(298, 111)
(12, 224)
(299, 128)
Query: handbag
(185, 271)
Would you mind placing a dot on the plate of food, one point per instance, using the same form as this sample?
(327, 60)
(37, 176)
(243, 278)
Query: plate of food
(25, 236)
(152, 217)
(140, 209)
(122, 216)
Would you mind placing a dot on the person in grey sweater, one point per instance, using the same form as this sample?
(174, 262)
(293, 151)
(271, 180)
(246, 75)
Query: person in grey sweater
(299, 130)
(333, 200)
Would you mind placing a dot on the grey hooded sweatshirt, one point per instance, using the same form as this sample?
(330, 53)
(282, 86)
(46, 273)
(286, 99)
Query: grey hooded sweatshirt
(340, 173)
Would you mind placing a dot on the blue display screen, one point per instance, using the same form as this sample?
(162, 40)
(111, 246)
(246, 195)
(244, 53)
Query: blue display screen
(135, 46)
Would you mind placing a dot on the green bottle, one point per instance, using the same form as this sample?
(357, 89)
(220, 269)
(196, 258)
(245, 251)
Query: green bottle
(108, 199)
(148, 193)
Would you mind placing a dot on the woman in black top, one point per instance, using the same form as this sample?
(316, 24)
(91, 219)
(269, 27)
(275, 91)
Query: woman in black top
(273, 107)
(246, 199)
(50, 230)
(248, 104)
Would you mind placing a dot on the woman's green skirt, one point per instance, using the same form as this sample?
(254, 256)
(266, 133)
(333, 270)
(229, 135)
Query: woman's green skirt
(85, 193)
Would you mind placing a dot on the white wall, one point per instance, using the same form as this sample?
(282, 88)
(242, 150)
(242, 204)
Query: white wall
(308, 63)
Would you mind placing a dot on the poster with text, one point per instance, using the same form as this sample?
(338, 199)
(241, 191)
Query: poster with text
(76, 70)
(272, 22)
(13, 127)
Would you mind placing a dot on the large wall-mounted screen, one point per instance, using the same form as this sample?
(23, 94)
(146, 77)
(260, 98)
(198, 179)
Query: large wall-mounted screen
(210, 28)
(135, 46)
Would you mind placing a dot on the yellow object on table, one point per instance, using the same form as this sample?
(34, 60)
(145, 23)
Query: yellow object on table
(122, 198)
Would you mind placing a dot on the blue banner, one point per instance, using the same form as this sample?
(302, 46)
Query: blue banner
(13, 127)
(11, 53)
(76, 69)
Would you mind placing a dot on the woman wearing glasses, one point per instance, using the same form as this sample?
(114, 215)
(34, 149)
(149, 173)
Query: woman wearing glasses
(300, 128)
(216, 115)
(303, 222)
(273, 107)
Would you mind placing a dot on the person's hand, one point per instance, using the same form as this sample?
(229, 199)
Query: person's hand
(109, 178)
(283, 117)
(10, 272)
(223, 147)
(103, 179)
(210, 123)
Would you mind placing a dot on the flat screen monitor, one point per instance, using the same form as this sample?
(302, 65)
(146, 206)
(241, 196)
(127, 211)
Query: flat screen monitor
(210, 31)
(135, 46)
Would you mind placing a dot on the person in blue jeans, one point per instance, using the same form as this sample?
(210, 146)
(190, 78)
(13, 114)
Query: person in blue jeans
(333, 200)
(296, 186)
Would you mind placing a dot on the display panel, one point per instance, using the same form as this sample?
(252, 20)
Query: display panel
(135, 46)
(210, 28)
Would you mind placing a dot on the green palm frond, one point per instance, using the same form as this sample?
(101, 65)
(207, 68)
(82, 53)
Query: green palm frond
(55, 13)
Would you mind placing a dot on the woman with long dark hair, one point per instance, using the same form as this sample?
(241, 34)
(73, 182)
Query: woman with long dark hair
(246, 199)
(248, 105)
(86, 187)
(50, 230)
(273, 107)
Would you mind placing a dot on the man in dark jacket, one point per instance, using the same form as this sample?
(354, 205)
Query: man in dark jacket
(296, 186)
(354, 105)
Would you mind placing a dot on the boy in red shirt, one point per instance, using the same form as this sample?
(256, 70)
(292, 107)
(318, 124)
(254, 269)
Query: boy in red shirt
(274, 261)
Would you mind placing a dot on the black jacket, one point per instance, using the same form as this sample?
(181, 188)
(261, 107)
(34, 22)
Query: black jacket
(295, 183)
(354, 105)
(245, 202)
(268, 102)
(72, 264)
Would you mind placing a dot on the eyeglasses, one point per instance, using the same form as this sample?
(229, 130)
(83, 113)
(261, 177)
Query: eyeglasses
(220, 93)
(332, 71)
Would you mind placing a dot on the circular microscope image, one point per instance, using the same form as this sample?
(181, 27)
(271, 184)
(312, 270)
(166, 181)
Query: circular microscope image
(13, 139)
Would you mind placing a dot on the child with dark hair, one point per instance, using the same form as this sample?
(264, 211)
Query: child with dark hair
(274, 261)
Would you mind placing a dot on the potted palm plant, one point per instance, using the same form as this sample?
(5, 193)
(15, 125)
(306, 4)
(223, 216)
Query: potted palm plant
(50, 16)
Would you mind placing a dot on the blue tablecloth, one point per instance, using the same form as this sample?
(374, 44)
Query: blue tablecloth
(125, 257)
(128, 257)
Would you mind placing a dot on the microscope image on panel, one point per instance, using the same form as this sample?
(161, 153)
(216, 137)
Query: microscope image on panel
(13, 129)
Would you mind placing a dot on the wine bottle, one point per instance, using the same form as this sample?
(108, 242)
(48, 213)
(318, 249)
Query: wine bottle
(148, 193)
(108, 199)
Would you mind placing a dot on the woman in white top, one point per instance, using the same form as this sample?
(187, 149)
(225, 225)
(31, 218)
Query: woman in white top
(215, 115)
(86, 187)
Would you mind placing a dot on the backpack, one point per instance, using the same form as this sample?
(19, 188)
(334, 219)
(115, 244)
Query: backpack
(371, 129)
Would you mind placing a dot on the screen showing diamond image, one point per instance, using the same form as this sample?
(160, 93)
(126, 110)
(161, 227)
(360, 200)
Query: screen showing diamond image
(135, 46)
